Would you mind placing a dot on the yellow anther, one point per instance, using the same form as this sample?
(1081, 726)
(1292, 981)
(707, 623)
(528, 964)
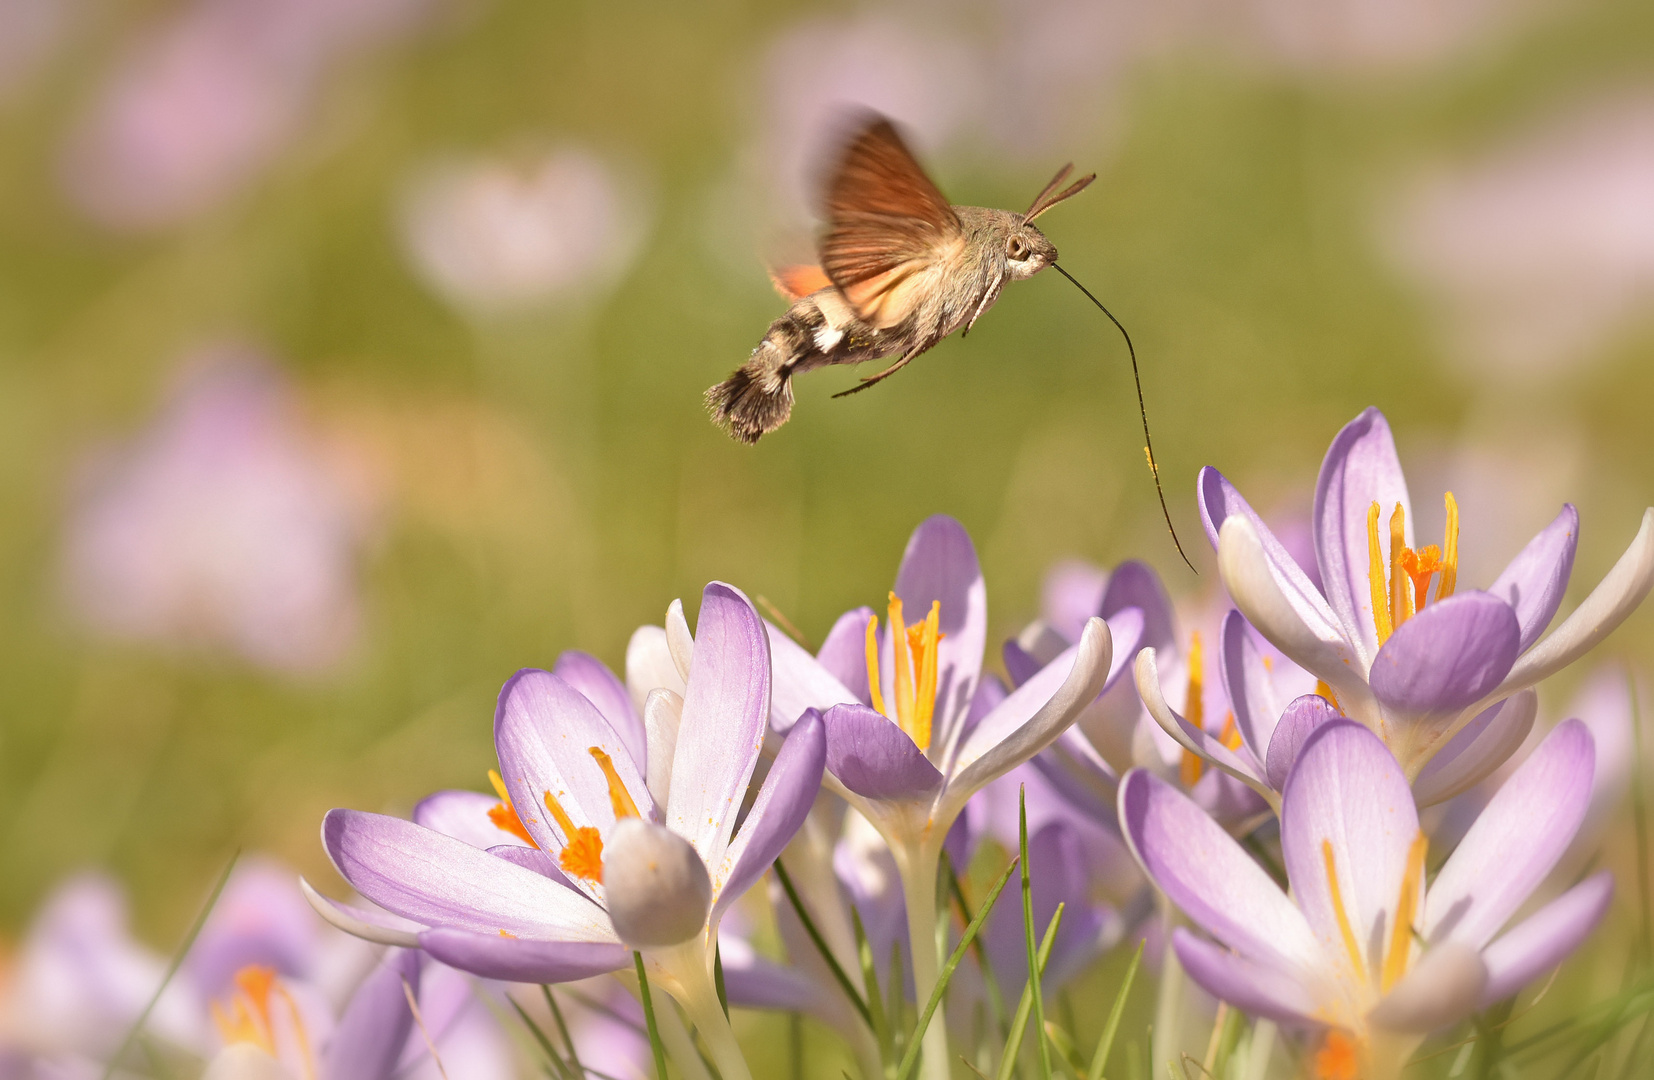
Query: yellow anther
(1450, 550)
(1322, 689)
(498, 781)
(924, 640)
(1376, 584)
(1401, 600)
(504, 815)
(619, 797)
(1401, 933)
(1189, 769)
(874, 693)
(1336, 896)
(1230, 736)
(582, 854)
(903, 681)
(1194, 701)
(248, 1018)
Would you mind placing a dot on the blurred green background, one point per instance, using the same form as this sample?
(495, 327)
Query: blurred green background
(545, 478)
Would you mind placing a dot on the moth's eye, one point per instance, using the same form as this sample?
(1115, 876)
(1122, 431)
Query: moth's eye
(1016, 251)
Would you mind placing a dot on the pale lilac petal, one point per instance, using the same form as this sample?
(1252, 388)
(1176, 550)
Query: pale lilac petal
(1193, 739)
(1020, 664)
(544, 730)
(801, 682)
(1300, 720)
(376, 1024)
(874, 758)
(592, 677)
(1361, 468)
(649, 665)
(1219, 501)
(260, 918)
(1247, 683)
(464, 816)
(1447, 657)
(524, 961)
(662, 716)
(844, 652)
(1032, 717)
(1519, 836)
(1535, 580)
(1075, 770)
(1545, 938)
(1347, 789)
(777, 812)
(1135, 585)
(1257, 989)
(380, 927)
(436, 880)
(1071, 594)
(1058, 874)
(1441, 988)
(940, 565)
(725, 711)
(752, 982)
(1206, 874)
(533, 859)
(1479, 748)
(1614, 598)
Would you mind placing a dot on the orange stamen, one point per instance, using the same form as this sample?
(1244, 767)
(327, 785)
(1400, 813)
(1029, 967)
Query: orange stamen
(1323, 690)
(619, 797)
(582, 854)
(508, 934)
(1401, 934)
(504, 815)
(874, 693)
(1450, 550)
(1194, 700)
(1230, 736)
(904, 665)
(1401, 607)
(1337, 898)
(1189, 768)
(924, 641)
(248, 1018)
(1376, 584)
(1339, 1058)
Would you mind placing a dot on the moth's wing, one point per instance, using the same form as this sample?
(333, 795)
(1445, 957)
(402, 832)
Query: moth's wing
(797, 282)
(889, 230)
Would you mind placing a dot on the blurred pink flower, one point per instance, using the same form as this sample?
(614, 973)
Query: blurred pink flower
(225, 524)
(30, 33)
(206, 99)
(493, 236)
(1537, 253)
(1344, 36)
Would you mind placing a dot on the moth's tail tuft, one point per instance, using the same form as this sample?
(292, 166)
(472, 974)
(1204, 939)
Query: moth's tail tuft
(755, 400)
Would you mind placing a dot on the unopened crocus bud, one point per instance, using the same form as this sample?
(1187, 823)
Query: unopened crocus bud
(656, 884)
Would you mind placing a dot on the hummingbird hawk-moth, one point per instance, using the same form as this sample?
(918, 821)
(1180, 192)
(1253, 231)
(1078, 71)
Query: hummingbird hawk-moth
(900, 270)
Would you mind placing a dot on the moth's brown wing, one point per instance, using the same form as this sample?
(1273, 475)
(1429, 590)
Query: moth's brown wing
(889, 230)
(795, 282)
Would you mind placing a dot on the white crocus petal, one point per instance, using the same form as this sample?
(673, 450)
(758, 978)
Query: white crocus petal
(1502, 737)
(1207, 748)
(679, 640)
(649, 665)
(355, 924)
(244, 1061)
(1614, 598)
(1443, 987)
(656, 885)
(662, 713)
(1244, 567)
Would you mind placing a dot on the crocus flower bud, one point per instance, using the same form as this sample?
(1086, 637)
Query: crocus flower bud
(656, 885)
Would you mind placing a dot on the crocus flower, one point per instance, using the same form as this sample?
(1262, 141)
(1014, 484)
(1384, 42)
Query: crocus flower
(1360, 948)
(228, 524)
(1415, 665)
(637, 867)
(908, 753)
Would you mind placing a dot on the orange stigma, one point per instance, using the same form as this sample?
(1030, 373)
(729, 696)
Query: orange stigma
(1393, 601)
(1339, 1058)
(914, 673)
(248, 1018)
(503, 815)
(582, 855)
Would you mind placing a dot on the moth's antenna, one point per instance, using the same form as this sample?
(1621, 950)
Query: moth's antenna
(1148, 444)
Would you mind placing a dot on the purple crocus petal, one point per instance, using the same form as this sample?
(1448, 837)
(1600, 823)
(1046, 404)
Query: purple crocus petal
(1034, 714)
(1479, 748)
(1519, 836)
(376, 1024)
(752, 982)
(1204, 872)
(1361, 468)
(1020, 664)
(544, 730)
(1193, 739)
(464, 816)
(532, 859)
(1128, 630)
(1545, 938)
(1346, 789)
(1317, 645)
(523, 960)
(800, 682)
(260, 918)
(844, 652)
(1250, 690)
(1614, 598)
(1260, 990)
(725, 710)
(1071, 594)
(1219, 502)
(1535, 580)
(1298, 722)
(1135, 585)
(778, 811)
(436, 880)
(1446, 658)
(1057, 869)
(592, 677)
(1074, 769)
(940, 565)
(875, 759)
(376, 925)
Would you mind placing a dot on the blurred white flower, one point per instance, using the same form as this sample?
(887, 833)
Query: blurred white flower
(204, 100)
(225, 524)
(1535, 255)
(493, 236)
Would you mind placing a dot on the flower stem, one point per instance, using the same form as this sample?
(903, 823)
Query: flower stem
(1166, 1042)
(691, 982)
(918, 868)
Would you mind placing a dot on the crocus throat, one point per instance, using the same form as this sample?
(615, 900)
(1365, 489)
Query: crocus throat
(915, 669)
(1398, 954)
(582, 856)
(1402, 592)
(504, 815)
(246, 1018)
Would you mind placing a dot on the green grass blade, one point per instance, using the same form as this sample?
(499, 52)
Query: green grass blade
(996, 1000)
(172, 968)
(1025, 1005)
(910, 1059)
(875, 999)
(718, 978)
(1106, 1043)
(820, 943)
(553, 1059)
(1035, 966)
(562, 1029)
(649, 1016)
